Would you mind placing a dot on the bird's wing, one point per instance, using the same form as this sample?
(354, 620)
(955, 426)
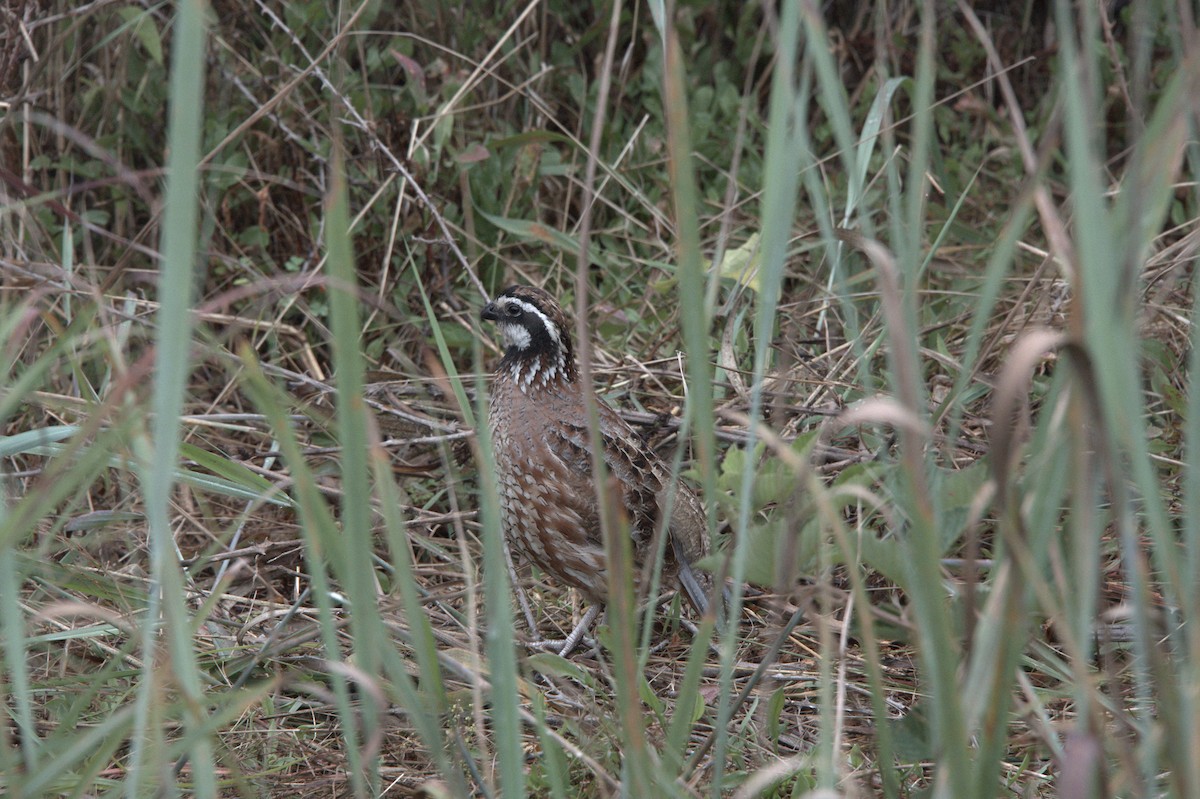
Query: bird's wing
(624, 460)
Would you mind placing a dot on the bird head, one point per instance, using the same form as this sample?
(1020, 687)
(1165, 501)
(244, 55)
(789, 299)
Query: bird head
(537, 340)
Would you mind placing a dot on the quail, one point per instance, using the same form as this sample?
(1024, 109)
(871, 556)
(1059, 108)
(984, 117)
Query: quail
(543, 462)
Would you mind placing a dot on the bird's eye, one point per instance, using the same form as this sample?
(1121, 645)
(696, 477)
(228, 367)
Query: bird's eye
(513, 311)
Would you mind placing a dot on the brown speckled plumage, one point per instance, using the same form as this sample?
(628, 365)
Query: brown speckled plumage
(544, 465)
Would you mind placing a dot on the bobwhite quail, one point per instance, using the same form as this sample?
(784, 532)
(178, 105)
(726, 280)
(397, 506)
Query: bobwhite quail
(544, 463)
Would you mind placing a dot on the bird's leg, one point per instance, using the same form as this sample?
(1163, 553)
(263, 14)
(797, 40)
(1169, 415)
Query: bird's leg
(522, 599)
(577, 634)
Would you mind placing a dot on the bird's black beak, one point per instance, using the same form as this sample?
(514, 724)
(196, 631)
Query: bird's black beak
(489, 312)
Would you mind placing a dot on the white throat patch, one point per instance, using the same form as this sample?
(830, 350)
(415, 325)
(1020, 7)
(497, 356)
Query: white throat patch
(515, 335)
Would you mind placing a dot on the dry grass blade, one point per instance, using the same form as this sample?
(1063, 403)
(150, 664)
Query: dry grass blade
(1012, 387)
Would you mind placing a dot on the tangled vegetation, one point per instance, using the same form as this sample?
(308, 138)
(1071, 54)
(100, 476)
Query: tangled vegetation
(905, 288)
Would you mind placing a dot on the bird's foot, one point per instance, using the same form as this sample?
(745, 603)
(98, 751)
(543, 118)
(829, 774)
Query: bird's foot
(568, 645)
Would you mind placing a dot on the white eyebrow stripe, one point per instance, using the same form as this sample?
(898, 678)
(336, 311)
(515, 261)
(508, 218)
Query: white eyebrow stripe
(529, 307)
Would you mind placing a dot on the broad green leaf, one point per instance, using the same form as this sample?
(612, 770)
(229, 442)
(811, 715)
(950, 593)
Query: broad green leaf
(741, 265)
(536, 231)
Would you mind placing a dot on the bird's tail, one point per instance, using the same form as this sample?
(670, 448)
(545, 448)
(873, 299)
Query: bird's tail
(699, 585)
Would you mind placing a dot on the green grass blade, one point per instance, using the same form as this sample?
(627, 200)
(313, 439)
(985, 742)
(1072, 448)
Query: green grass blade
(322, 546)
(501, 651)
(173, 341)
(358, 579)
(779, 202)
